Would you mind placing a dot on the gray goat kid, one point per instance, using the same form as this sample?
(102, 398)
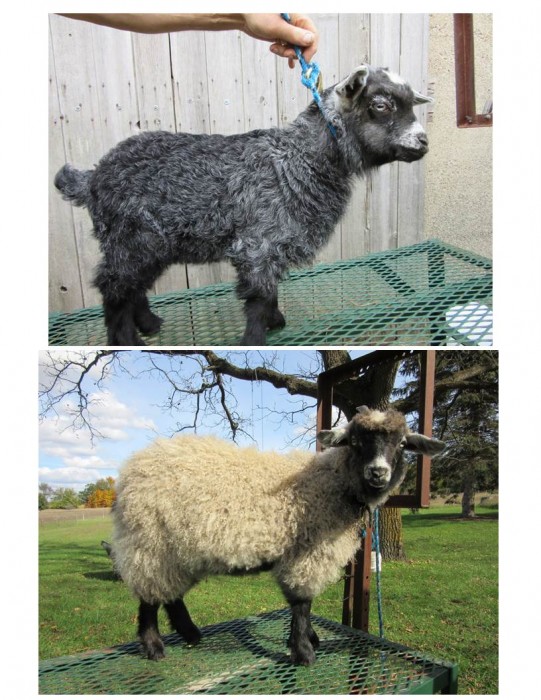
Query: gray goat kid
(266, 200)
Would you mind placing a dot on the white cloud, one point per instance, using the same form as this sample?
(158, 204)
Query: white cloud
(68, 476)
(110, 418)
(113, 418)
(91, 462)
(73, 458)
(58, 436)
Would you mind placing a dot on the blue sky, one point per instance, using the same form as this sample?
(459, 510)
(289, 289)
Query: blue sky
(128, 411)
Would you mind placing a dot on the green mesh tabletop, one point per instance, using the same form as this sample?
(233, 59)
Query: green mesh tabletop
(425, 294)
(249, 656)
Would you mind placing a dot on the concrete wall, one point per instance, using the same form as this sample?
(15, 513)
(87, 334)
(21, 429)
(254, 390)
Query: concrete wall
(458, 195)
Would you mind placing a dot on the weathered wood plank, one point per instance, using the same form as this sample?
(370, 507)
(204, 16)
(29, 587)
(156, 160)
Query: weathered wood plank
(65, 291)
(354, 49)
(384, 51)
(259, 84)
(116, 90)
(152, 62)
(414, 68)
(190, 82)
(82, 128)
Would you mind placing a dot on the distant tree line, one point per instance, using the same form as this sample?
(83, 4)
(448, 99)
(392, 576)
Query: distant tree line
(100, 494)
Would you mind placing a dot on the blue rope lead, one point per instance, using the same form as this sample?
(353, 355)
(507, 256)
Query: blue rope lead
(310, 74)
(378, 570)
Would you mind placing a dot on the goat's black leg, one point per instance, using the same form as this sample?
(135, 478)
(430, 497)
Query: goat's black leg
(181, 622)
(147, 322)
(257, 310)
(261, 305)
(120, 322)
(262, 314)
(148, 631)
(119, 302)
(125, 304)
(302, 640)
(276, 317)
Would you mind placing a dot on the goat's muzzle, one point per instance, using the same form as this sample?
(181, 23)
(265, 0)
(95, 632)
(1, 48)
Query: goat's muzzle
(409, 154)
(413, 144)
(378, 476)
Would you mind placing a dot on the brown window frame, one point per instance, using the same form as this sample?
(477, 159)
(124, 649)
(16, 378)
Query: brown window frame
(465, 75)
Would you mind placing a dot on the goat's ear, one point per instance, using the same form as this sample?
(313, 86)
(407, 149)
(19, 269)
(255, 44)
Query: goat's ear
(419, 99)
(351, 86)
(423, 445)
(333, 438)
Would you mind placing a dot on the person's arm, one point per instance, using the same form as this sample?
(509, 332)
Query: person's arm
(267, 27)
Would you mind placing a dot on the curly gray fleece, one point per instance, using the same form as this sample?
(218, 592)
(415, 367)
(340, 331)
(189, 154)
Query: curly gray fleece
(266, 200)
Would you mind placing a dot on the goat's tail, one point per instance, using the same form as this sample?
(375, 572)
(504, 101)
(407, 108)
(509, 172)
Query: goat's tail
(73, 184)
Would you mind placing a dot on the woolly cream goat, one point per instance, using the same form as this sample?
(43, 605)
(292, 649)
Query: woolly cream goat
(193, 506)
(266, 200)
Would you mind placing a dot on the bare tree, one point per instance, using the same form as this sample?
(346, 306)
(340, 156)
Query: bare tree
(200, 376)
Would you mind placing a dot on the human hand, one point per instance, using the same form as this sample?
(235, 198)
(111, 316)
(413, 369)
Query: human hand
(301, 32)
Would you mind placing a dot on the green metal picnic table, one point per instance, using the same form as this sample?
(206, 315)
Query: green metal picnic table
(429, 293)
(248, 656)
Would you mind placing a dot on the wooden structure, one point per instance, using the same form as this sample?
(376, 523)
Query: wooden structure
(357, 586)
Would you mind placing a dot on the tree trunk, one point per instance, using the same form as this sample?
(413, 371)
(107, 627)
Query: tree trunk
(468, 497)
(391, 541)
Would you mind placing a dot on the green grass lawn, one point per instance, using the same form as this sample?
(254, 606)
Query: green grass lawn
(443, 600)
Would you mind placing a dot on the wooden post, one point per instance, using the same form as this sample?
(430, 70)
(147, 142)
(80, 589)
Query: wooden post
(361, 584)
(426, 414)
(324, 405)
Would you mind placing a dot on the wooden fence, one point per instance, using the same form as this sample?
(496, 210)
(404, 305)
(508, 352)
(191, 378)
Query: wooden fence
(106, 85)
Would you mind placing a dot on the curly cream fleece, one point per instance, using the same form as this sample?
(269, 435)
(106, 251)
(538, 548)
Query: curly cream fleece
(193, 506)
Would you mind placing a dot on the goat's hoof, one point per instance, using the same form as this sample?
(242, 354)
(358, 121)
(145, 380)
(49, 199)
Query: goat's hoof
(192, 636)
(155, 651)
(150, 325)
(303, 656)
(312, 636)
(277, 320)
(116, 342)
(255, 340)
(314, 639)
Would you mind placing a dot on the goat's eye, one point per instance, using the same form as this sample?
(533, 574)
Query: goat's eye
(354, 441)
(380, 106)
(402, 443)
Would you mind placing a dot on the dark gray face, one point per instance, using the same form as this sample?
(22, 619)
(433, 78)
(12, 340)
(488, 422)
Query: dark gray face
(390, 130)
(376, 441)
(376, 454)
(378, 105)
